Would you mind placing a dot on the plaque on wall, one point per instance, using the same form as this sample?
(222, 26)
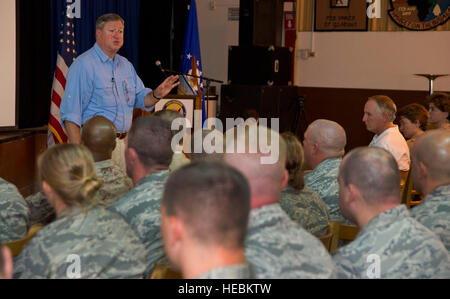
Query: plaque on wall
(420, 14)
(340, 15)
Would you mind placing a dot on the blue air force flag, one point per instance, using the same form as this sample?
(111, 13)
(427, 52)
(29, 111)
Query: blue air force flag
(191, 61)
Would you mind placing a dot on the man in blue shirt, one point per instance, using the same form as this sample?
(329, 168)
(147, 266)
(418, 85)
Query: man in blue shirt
(102, 83)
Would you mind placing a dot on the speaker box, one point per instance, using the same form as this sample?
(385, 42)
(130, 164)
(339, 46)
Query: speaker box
(259, 65)
(280, 102)
(260, 22)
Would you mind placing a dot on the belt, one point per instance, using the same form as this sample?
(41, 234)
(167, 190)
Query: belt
(121, 135)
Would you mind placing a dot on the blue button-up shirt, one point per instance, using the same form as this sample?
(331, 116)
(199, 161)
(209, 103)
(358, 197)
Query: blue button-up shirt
(99, 86)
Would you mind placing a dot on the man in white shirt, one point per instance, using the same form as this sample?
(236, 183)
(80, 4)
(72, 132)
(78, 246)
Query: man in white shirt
(379, 116)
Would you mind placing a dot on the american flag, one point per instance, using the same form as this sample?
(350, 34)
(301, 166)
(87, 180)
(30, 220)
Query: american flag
(66, 55)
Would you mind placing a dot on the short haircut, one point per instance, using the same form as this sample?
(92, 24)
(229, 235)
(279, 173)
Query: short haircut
(170, 116)
(294, 160)
(329, 135)
(415, 112)
(433, 150)
(99, 134)
(385, 104)
(151, 138)
(441, 101)
(69, 170)
(374, 172)
(110, 17)
(213, 199)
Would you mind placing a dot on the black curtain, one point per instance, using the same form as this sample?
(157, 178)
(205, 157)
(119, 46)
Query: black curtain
(35, 73)
(155, 38)
(34, 63)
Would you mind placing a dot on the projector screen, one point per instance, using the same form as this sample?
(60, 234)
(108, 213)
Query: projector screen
(8, 63)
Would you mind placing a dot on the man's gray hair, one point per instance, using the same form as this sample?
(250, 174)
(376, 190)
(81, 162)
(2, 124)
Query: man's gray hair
(385, 104)
(110, 17)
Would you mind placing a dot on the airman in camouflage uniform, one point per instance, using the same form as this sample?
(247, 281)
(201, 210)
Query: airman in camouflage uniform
(205, 208)
(431, 176)
(13, 213)
(324, 146)
(277, 247)
(405, 248)
(390, 244)
(115, 182)
(230, 272)
(434, 213)
(104, 243)
(323, 180)
(307, 208)
(148, 156)
(141, 209)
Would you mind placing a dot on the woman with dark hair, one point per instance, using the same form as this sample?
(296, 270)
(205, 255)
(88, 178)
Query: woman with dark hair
(413, 121)
(300, 202)
(86, 240)
(439, 108)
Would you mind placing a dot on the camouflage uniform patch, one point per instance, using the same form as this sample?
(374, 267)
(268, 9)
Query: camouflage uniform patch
(115, 182)
(14, 213)
(324, 180)
(307, 208)
(434, 213)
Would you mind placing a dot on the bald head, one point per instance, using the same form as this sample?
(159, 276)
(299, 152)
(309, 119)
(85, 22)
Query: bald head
(374, 172)
(248, 152)
(99, 135)
(432, 149)
(329, 135)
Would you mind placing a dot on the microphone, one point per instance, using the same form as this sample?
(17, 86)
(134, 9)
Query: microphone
(158, 64)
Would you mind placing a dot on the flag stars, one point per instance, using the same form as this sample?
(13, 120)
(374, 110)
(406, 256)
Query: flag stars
(189, 56)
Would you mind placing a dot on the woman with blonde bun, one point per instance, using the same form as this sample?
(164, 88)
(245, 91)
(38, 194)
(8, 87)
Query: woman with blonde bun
(86, 240)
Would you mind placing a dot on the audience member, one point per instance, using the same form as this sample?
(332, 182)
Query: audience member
(276, 246)
(99, 136)
(431, 176)
(86, 240)
(147, 155)
(300, 202)
(390, 244)
(178, 158)
(324, 145)
(413, 122)
(439, 108)
(6, 263)
(205, 210)
(14, 214)
(379, 116)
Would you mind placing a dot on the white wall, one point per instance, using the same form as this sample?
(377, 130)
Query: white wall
(8, 63)
(216, 35)
(375, 60)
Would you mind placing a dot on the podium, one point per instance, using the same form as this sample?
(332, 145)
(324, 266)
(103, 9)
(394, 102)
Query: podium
(189, 105)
